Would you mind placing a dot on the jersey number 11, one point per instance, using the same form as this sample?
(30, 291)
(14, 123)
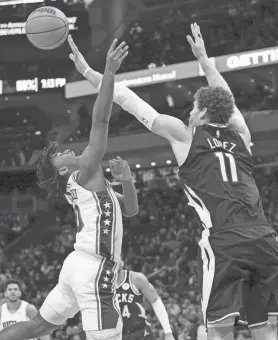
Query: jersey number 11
(223, 168)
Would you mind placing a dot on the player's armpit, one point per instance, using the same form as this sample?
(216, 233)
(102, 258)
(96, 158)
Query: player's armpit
(238, 124)
(91, 157)
(145, 287)
(171, 128)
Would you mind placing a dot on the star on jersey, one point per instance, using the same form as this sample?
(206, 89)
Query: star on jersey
(107, 213)
(104, 285)
(108, 272)
(106, 279)
(107, 222)
(106, 231)
(107, 205)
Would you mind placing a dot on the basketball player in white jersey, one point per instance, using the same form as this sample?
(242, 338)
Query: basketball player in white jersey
(15, 309)
(88, 276)
(131, 291)
(214, 109)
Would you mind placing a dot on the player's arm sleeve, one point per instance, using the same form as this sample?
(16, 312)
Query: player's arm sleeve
(214, 78)
(92, 156)
(150, 293)
(31, 313)
(165, 126)
(129, 200)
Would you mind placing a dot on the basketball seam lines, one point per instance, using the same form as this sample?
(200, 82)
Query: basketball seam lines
(54, 29)
(49, 16)
(61, 38)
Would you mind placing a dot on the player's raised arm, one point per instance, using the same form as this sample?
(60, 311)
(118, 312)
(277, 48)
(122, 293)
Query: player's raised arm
(169, 127)
(214, 78)
(120, 170)
(92, 156)
(150, 293)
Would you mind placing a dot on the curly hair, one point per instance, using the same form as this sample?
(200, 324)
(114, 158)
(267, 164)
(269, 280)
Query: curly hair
(48, 177)
(12, 282)
(218, 102)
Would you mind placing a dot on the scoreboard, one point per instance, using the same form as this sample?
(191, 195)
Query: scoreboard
(34, 85)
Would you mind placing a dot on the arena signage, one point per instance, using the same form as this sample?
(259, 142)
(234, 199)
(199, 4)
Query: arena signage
(180, 71)
(18, 28)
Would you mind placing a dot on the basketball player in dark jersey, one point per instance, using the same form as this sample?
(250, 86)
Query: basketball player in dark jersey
(132, 288)
(239, 251)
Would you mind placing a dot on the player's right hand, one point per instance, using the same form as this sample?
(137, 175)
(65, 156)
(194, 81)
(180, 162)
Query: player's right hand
(198, 46)
(78, 59)
(116, 56)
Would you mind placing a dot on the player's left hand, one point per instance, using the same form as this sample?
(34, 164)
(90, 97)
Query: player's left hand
(120, 169)
(169, 336)
(76, 56)
(198, 46)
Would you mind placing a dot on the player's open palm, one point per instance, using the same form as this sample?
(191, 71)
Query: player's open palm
(78, 59)
(197, 44)
(120, 169)
(116, 55)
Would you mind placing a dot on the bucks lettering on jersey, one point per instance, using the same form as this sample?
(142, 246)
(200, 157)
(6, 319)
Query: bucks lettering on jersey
(217, 179)
(98, 218)
(131, 304)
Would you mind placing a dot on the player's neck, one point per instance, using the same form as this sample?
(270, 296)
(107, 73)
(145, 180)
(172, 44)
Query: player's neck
(13, 305)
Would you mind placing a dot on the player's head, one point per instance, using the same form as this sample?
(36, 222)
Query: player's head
(211, 105)
(12, 290)
(53, 169)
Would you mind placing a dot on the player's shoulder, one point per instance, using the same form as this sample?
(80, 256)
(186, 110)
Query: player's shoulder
(138, 278)
(31, 310)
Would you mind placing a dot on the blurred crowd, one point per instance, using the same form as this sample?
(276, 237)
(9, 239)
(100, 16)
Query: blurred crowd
(159, 38)
(160, 241)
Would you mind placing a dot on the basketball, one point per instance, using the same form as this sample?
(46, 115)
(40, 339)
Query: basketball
(47, 28)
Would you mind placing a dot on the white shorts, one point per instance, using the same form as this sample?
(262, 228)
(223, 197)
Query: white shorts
(86, 283)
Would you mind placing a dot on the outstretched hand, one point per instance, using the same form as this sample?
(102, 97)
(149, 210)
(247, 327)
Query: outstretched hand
(116, 56)
(76, 56)
(198, 46)
(120, 169)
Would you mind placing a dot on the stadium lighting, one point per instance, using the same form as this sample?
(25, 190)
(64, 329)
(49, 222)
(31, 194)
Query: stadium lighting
(153, 164)
(107, 170)
(37, 133)
(168, 161)
(137, 166)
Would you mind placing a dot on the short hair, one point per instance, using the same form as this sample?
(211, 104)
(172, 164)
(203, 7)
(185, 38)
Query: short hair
(48, 177)
(218, 102)
(10, 282)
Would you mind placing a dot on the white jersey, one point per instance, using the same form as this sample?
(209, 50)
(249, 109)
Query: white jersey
(7, 318)
(99, 220)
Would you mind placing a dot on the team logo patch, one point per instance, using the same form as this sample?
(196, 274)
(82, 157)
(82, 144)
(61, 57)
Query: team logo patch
(125, 286)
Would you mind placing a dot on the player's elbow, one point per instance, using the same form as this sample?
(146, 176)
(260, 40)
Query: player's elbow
(131, 211)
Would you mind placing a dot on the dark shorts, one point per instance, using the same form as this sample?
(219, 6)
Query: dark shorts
(141, 334)
(239, 271)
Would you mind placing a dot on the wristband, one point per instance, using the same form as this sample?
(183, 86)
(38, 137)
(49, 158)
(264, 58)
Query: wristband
(87, 69)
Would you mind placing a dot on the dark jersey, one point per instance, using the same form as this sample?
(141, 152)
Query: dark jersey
(217, 179)
(131, 305)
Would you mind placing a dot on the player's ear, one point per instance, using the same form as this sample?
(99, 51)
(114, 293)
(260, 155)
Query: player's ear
(63, 171)
(202, 114)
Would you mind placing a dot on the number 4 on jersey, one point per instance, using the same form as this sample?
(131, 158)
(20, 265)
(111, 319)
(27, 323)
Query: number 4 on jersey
(125, 313)
(232, 164)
